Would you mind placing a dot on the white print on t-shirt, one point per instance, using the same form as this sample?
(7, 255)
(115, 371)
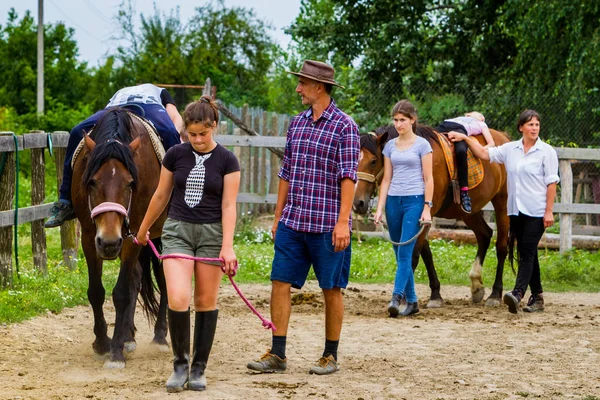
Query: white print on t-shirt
(194, 186)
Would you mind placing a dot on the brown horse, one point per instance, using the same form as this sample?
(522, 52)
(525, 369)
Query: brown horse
(493, 188)
(109, 196)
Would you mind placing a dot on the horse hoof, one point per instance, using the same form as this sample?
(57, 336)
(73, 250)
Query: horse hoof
(101, 350)
(114, 364)
(438, 303)
(129, 347)
(163, 348)
(492, 302)
(477, 295)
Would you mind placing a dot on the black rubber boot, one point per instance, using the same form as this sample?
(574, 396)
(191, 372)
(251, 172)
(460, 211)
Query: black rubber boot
(179, 329)
(204, 334)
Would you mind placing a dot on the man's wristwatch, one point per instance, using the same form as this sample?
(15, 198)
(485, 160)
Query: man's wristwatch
(429, 203)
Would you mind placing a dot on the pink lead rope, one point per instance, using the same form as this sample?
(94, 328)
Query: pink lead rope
(265, 322)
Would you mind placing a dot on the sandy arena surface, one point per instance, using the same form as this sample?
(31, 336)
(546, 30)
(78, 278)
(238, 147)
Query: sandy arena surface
(461, 351)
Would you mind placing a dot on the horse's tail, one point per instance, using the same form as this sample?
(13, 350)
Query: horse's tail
(149, 262)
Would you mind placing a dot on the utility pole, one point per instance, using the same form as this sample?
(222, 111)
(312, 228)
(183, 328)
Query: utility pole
(40, 59)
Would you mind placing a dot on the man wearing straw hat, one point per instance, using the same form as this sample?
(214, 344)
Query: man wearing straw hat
(312, 216)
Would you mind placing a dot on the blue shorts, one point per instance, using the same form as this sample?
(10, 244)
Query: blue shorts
(296, 251)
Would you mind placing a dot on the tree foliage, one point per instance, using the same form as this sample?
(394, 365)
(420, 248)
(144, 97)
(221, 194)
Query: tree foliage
(229, 45)
(497, 55)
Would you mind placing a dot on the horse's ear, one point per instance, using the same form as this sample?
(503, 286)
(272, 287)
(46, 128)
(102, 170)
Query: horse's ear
(89, 142)
(382, 139)
(135, 144)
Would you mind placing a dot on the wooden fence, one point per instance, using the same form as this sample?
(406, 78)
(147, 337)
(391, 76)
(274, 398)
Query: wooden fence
(258, 191)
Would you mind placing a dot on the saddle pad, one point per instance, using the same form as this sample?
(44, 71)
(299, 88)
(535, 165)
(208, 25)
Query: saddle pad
(159, 150)
(474, 163)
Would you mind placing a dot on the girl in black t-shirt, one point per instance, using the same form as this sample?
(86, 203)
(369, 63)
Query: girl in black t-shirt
(202, 179)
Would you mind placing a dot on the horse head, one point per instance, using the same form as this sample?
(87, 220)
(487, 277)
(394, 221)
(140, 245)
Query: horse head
(110, 179)
(370, 166)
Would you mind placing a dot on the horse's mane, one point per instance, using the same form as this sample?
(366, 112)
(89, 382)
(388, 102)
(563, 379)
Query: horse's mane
(112, 135)
(426, 132)
(369, 140)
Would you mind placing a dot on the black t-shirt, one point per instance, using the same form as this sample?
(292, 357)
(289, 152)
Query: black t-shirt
(198, 186)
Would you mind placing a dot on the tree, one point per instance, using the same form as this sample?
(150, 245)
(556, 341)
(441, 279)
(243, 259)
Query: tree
(229, 45)
(66, 78)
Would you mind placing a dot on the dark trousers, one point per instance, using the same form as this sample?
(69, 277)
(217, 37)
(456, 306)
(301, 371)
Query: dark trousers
(528, 231)
(460, 151)
(154, 113)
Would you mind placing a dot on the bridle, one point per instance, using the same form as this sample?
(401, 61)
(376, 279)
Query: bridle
(108, 206)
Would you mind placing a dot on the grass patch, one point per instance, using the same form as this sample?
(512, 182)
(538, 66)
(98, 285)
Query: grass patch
(372, 262)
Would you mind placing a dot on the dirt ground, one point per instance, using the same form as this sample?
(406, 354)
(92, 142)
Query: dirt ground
(461, 351)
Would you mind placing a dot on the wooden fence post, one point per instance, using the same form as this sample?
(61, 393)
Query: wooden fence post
(566, 197)
(38, 194)
(245, 164)
(274, 161)
(68, 230)
(7, 183)
(262, 182)
(256, 172)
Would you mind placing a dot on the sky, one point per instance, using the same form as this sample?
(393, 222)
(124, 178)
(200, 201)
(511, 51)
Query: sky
(94, 22)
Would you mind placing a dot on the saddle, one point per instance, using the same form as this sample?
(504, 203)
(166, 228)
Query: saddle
(159, 150)
(476, 172)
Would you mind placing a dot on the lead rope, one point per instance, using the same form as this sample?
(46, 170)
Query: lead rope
(425, 225)
(265, 322)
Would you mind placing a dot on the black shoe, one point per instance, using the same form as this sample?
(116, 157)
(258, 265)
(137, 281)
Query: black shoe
(535, 303)
(465, 201)
(394, 306)
(411, 308)
(61, 212)
(512, 300)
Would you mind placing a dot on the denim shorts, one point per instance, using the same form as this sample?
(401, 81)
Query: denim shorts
(296, 251)
(197, 240)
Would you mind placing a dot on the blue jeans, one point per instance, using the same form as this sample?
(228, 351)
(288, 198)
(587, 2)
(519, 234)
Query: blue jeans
(153, 113)
(296, 251)
(402, 215)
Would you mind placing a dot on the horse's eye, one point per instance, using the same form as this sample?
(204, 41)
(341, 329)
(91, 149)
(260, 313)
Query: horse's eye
(92, 184)
(373, 162)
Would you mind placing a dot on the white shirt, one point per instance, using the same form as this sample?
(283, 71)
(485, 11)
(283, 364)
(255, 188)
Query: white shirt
(145, 93)
(528, 175)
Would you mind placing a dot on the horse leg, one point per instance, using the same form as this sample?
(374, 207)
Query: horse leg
(502, 226)
(160, 328)
(483, 233)
(422, 249)
(96, 294)
(124, 299)
(129, 344)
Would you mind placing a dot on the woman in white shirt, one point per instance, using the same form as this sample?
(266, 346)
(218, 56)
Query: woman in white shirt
(532, 169)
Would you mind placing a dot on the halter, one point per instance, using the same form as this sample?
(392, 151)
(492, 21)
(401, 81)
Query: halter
(364, 176)
(108, 206)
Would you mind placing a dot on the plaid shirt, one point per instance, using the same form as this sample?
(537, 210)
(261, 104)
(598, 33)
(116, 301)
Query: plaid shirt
(318, 155)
